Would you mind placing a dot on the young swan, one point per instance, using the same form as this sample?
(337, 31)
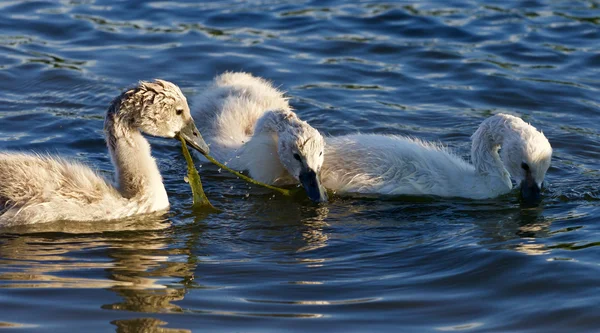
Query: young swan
(402, 166)
(36, 189)
(250, 125)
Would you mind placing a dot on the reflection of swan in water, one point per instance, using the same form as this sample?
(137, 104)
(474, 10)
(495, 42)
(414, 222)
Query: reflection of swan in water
(313, 235)
(297, 228)
(49, 254)
(523, 230)
(148, 325)
(250, 125)
(398, 165)
(134, 223)
(35, 189)
(136, 267)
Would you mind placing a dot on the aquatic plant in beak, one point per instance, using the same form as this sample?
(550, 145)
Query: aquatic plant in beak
(37, 189)
(248, 179)
(200, 200)
(253, 127)
(195, 141)
(191, 135)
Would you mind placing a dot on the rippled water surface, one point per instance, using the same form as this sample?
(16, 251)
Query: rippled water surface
(430, 69)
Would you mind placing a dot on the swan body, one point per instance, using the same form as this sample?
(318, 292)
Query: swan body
(250, 125)
(396, 165)
(37, 188)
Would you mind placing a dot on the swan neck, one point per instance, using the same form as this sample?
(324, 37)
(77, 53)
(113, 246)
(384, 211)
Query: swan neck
(275, 121)
(263, 145)
(486, 142)
(137, 175)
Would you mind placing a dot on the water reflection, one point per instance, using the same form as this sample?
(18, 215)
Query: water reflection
(147, 300)
(144, 325)
(405, 265)
(535, 234)
(149, 263)
(137, 223)
(517, 229)
(313, 234)
(153, 267)
(296, 228)
(141, 268)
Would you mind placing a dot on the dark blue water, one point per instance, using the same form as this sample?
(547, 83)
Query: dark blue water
(430, 69)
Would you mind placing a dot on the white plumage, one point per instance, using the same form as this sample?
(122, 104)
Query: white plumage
(247, 120)
(250, 125)
(37, 188)
(396, 165)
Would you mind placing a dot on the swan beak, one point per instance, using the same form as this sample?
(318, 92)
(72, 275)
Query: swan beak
(192, 137)
(312, 184)
(530, 191)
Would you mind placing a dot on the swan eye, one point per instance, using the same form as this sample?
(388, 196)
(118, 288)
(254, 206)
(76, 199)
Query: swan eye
(179, 112)
(525, 166)
(297, 157)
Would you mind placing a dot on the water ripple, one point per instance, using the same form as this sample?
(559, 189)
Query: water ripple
(430, 69)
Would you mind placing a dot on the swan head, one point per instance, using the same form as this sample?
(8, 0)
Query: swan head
(159, 108)
(300, 148)
(526, 154)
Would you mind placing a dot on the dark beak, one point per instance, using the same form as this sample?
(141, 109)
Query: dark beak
(312, 185)
(530, 192)
(192, 137)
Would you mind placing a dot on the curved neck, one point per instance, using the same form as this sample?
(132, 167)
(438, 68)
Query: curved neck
(137, 174)
(256, 155)
(486, 143)
(274, 121)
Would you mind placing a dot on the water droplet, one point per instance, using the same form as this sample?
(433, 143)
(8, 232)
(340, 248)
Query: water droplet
(237, 156)
(199, 165)
(247, 195)
(231, 187)
(186, 179)
(219, 170)
(225, 163)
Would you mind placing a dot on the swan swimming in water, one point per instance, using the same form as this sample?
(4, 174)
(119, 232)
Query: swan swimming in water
(36, 189)
(396, 165)
(249, 124)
